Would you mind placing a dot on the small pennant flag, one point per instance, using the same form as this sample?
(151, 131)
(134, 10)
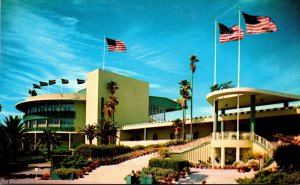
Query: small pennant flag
(35, 86)
(115, 45)
(43, 83)
(51, 82)
(32, 92)
(80, 81)
(230, 34)
(259, 24)
(64, 81)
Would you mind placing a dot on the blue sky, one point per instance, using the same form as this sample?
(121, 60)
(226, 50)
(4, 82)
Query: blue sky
(43, 40)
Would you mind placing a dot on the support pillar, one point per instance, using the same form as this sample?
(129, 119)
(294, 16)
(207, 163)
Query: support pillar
(212, 157)
(35, 141)
(222, 157)
(145, 134)
(69, 141)
(222, 124)
(215, 126)
(237, 154)
(252, 115)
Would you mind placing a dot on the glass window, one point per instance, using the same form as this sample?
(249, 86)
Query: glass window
(53, 107)
(33, 109)
(53, 122)
(41, 123)
(66, 122)
(67, 107)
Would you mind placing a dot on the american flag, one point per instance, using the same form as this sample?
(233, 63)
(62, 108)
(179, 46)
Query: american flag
(230, 34)
(259, 24)
(115, 45)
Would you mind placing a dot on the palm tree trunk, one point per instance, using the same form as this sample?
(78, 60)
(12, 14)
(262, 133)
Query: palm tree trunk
(191, 124)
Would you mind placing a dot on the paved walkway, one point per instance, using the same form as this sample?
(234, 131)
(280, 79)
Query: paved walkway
(114, 174)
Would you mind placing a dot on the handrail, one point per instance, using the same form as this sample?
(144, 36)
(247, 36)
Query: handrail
(188, 146)
(231, 135)
(262, 142)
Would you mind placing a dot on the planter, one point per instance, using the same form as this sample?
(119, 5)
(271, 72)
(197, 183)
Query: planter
(54, 176)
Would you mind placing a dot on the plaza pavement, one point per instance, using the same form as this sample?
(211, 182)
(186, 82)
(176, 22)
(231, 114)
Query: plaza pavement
(114, 174)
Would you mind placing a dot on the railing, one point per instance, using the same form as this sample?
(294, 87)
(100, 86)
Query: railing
(52, 128)
(262, 142)
(231, 135)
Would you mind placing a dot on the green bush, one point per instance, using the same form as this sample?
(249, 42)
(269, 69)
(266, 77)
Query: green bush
(63, 172)
(287, 156)
(75, 162)
(101, 150)
(269, 177)
(138, 147)
(158, 172)
(56, 161)
(175, 164)
(61, 152)
(33, 159)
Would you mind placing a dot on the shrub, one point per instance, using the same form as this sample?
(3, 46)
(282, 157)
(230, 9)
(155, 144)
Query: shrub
(138, 147)
(33, 159)
(163, 153)
(269, 177)
(252, 163)
(63, 172)
(61, 152)
(287, 156)
(175, 164)
(242, 165)
(84, 150)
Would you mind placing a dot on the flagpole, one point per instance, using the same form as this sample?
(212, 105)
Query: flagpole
(238, 80)
(103, 53)
(215, 67)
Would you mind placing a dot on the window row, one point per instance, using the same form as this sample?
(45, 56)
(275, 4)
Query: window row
(51, 107)
(50, 122)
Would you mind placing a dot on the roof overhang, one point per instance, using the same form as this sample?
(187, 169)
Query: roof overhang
(44, 98)
(227, 98)
(168, 104)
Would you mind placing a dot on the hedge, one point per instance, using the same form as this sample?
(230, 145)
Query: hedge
(101, 151)
(175, 164)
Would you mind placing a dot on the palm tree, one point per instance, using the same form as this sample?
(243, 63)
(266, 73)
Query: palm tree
(110, 106)
(14, 131)
(106, 131)
(193, 59)
(185, 94)
(112, 86)
(177, 124)
(49, 138)
(225, 85)
(90, 131)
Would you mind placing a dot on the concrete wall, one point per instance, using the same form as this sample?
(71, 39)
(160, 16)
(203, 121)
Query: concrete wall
(79, 121)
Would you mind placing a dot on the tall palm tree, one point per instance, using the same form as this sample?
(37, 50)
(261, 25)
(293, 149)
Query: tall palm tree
(90, 131)
(49, 138)
(14, 131)
(177, 124)
(110, 106)
(112, 87)
(185, 94)
(193, 59)
(106, 131)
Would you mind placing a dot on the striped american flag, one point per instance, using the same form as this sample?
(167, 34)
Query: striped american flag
(230, 34)
(115, 45)
(259, 24)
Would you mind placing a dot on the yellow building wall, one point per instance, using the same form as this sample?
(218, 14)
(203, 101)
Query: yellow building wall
(133, 97)
(79, 121)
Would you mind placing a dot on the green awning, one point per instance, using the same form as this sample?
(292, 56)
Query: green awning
(168, 104)
(33, 117)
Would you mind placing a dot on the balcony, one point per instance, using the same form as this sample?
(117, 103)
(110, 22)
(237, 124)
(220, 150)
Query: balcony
(55, 129)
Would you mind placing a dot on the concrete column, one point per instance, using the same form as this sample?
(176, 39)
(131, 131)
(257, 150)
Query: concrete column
(145, 134)
(252, 114)
(237, 157)
(285, 104)
(69, 141)
(222, 124)
(34, 141)
(215, 126)
(222, 157)
(212, 157)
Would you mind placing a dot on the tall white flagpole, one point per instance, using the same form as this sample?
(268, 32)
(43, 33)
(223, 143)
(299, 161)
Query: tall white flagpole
(215, 67)
(238, 80)
(103, 61)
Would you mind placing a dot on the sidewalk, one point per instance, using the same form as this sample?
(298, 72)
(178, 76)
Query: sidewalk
(114, 174)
